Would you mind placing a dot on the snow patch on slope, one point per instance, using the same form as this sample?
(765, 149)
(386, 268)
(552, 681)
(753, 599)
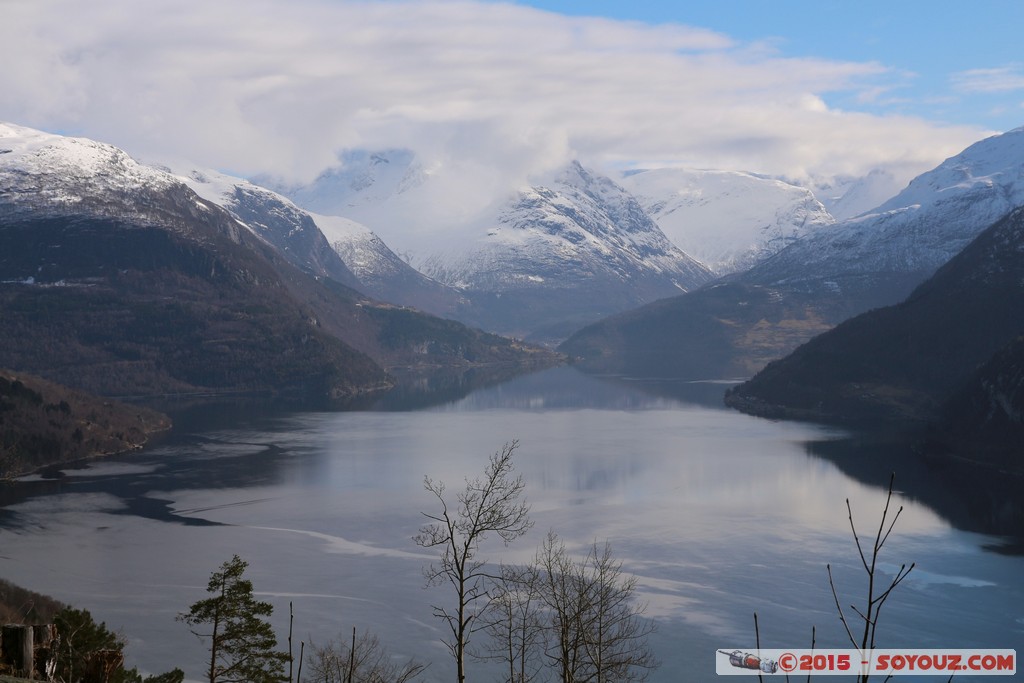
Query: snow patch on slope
(727, 220)
(362, 250)
(919, 229)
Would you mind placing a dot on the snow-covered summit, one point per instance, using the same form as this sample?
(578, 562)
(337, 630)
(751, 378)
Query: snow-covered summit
(995, 163)
(361, 179)
(577, 228)
(728, 220)
(43, 172)
(916, 231)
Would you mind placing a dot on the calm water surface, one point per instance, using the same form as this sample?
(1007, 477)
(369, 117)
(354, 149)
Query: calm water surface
(717, 514)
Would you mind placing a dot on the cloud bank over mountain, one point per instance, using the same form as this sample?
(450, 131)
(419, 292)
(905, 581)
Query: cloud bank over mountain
(488, 92)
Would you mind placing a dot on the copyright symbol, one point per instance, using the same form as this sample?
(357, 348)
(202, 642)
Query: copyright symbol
(787, 662)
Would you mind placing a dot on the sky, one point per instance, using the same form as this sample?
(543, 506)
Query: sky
(495, 92)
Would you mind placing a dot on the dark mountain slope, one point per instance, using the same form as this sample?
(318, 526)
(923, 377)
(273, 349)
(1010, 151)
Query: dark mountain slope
(985, 419)
(42, 423)
(903, 362)
(725, 330)
(120, 309)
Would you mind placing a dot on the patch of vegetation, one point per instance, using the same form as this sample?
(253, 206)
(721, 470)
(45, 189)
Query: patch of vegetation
(21, 606)
(42, 423)
(126, 310)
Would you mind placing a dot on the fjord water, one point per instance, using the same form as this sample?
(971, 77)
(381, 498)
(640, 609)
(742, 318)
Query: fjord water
(717, 514)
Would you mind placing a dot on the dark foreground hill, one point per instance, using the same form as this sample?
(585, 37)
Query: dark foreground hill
(42, 423)
(986, 417)
(918, 361)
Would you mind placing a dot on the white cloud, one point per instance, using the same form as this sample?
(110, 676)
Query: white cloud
(264, 86)
(998, 80)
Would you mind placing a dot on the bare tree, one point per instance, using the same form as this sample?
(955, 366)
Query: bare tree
(615, 633)
(876, 596)
(563, 596)
(491, 504)
(515, 624)
(365, 662)
(597, 633)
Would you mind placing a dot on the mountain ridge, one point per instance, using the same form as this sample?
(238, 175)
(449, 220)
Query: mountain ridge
(820, 280)
(903, 362)
(118, 278)
(550, 258)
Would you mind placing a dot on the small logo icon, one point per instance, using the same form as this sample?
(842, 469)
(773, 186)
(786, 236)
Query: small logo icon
(746, 660)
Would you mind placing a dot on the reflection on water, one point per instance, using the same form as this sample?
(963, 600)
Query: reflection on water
(969, 496)
(717, 514)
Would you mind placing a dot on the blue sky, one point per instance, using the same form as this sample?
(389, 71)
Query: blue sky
(954, 62)
(492, 94)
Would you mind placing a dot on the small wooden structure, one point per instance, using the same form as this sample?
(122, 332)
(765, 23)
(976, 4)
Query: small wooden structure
(28, 651)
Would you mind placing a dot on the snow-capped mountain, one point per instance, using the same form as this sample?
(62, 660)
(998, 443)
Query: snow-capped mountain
(906, 238)
(725, 219)
(576, 231)
(848, 196)
(560, 254)
(903, 362)
(275, 219)
(330, 246)
(736, 326)
(52, 175)
(119, 278)
(539, 260)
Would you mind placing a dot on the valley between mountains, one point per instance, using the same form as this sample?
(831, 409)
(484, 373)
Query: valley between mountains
(138, 280)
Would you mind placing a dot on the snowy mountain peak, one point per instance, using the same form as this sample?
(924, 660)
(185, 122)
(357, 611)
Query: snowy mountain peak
(997, 161)
(906, 238)
(65, 171)
(580, 227)
(362, 178)
(728, 220)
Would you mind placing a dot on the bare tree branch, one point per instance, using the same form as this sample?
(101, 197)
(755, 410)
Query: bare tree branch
(494, 504)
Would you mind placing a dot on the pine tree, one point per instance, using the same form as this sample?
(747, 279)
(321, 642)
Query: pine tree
(242, 641)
